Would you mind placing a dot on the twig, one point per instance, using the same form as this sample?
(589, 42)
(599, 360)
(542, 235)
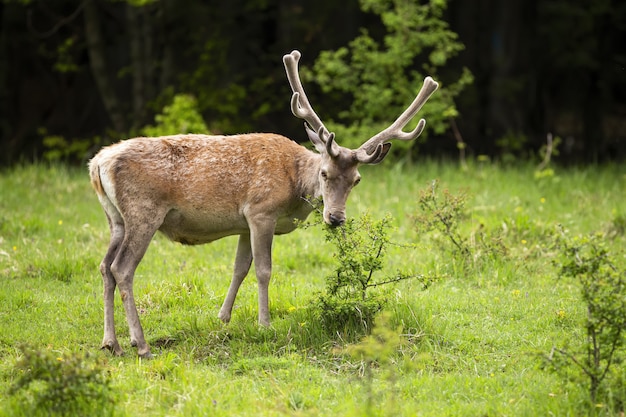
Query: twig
(459, 141)
(313, 203)
(64, 21)
(380, 250)
(548, 155)
(575, 361)
(396, 279)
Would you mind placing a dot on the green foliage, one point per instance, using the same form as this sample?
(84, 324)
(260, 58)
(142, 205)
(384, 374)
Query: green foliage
(66, 56)
(181, 116)
(349, 302)
(543, 174)
(382, 78)
(602, 286)
(547, 151)
(381, 345)
(217, 93)
(551, 148)
(443, 214)
(59, 149)
(139, 3)
(360, 250)
(617, 225)
(377, 351)
(66, 385)
(512, 145)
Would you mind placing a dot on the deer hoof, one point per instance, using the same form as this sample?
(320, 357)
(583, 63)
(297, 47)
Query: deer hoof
(224, 317)
(112, 346)
(146, 355)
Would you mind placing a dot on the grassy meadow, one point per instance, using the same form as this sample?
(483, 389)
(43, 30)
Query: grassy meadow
(471, 344)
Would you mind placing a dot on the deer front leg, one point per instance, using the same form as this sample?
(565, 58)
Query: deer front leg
(262, 235)
(243, 261)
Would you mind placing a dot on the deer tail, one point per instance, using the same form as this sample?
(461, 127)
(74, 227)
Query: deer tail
(94, 174)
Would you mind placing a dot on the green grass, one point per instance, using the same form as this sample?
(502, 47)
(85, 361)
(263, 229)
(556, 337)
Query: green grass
(472, 340)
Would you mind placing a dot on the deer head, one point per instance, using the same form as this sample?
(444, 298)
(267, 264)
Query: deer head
(339, 168)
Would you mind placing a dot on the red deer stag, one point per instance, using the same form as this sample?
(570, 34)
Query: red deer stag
(198, 188)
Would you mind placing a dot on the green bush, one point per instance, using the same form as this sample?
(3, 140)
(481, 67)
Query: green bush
(442, 214)
(65, 385)
(602, 286)
(351, 302)
(181, 116)
(378, 351)
(382, 78)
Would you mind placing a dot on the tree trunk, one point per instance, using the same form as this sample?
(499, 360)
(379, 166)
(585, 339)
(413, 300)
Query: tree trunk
(592, 114)
(148, 56)
(136, 49)
(166, 24)
(97, 62)
(5, 119)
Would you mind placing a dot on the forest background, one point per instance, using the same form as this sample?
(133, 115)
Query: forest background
(81, 74)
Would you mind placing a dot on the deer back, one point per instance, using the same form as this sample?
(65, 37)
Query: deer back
(207, 186)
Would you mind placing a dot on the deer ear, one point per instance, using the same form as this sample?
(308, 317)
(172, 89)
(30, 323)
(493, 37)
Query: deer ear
(315, 139)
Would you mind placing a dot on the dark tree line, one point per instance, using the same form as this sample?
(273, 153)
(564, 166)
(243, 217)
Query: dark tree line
(546, 66)
(99, 70)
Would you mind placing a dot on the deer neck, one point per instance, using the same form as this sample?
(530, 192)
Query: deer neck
(308, 166)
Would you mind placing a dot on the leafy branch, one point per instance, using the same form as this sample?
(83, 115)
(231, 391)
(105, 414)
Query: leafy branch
(603, 290)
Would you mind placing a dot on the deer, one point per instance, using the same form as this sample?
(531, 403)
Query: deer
(197, 188)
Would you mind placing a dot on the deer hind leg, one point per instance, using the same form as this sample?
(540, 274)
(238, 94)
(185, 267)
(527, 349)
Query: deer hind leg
(243, 261)
(109, 341)
(137, 237)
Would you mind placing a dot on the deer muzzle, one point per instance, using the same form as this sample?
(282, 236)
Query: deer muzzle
(336, 219)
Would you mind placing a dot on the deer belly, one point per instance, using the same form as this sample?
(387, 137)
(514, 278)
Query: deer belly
(195, 228)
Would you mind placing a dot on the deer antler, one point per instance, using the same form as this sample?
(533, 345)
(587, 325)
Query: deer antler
(369, 151)
(300, 106)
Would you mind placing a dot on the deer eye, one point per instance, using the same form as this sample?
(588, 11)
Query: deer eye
(324, 175)
(356, 182)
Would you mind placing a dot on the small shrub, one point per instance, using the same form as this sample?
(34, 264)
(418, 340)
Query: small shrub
(512, 146)
(616, 226)
(60, 149)
(442, 214)
(377, 351)
(602, 287)
(342, 314)
(181, 116)
(349, 302)
(551, 148)
(66, 385)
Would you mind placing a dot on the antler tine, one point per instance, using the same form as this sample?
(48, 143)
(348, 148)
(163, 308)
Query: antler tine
(394, 131)
(300, 105)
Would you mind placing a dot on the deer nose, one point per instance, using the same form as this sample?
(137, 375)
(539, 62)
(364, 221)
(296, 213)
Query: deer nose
(336, 220)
